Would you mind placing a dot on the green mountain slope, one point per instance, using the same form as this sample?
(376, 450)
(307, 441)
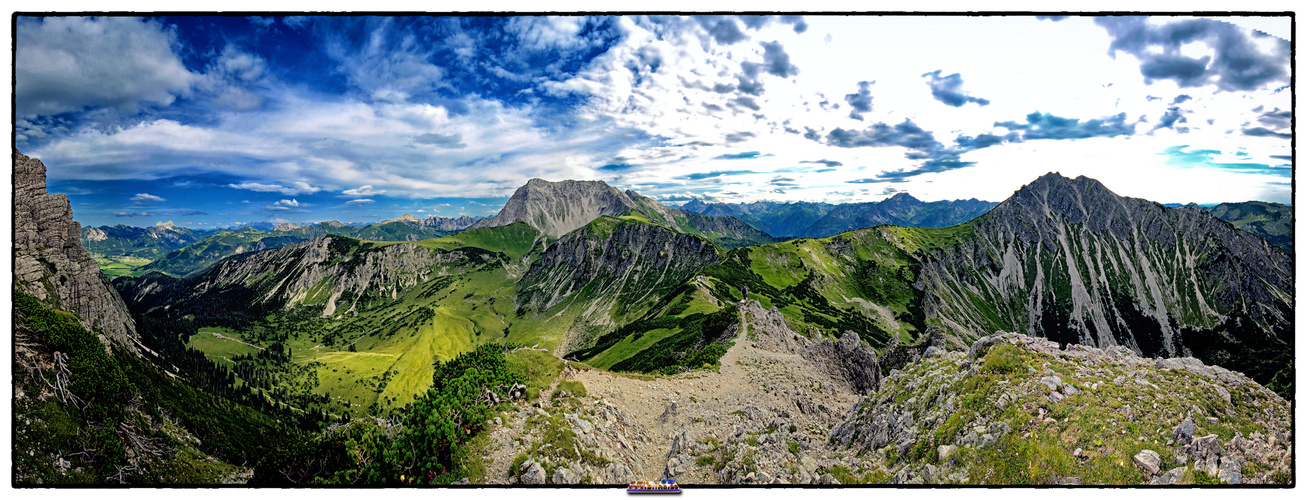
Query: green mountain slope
(1272, 222)
(143, 243)
(200, 255)
(1063, 259)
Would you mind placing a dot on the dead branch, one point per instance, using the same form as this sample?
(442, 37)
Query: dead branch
(61, 377)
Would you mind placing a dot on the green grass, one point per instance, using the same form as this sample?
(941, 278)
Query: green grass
(1038, 452)
(573, 388)
(120, 266)
(630, 346)
(514, 240)
(539, 368)
(221, 345)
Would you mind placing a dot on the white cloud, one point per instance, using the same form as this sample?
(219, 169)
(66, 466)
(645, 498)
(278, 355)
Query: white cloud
(384, 68)
(361, 201)
(297, 187)
(666, 100)
(292, 203)
(71, 63)
(365, 190)
(147, 197)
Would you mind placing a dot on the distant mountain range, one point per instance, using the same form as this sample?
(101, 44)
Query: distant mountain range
(819, 220)
(1065, 259)
(1271, 221)
(181, 251)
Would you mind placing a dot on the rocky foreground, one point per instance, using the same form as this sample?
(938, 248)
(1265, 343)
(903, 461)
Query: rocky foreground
(787, 409)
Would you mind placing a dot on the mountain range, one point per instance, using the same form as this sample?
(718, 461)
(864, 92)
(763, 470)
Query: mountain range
(819, 220)
(801, 345)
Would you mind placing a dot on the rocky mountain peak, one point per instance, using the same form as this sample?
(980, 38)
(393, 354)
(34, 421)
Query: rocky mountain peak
(1054, 198)
(286, 226)
(901, 198)
(409, 218)
(556, 208)
(51, 264)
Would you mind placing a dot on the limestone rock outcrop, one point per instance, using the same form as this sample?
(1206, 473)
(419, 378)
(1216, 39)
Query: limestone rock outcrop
(51, 264)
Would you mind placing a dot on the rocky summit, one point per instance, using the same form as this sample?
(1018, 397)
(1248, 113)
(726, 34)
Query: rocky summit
(1016, 409)
(557, 208)
(51, 264)
(1071, 261)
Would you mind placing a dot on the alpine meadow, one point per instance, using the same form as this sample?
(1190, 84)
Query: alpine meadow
(653, 251)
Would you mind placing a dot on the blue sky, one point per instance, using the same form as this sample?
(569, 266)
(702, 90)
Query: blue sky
(210, 121)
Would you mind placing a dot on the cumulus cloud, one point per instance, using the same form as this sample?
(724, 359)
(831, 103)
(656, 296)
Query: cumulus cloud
(722, 28)
(799, 24)
(297, 187)
(287, 205)
(735, 137)
(776, 61)
(861, 101)
(236, 79)
(697, 176)
(1047, 126)
(362, 191)
(147, 197)
(65, 64)
(1234, 61)
(906, 134)
(1277, 119)
(948, 90)
(1265, 132)
(1172, 116)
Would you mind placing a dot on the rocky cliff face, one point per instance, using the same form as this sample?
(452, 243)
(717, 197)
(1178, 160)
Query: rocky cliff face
(449, 223)
(557, 208)
(846, 360)
(1071, 261)
(51, 264)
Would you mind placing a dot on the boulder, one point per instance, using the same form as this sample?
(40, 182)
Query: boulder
(563, 475)
(615, 473)
(533, 473)
(946, 451)
(1171, 477)
(1230, 470)
(1053, 382)
(1149, 461)
(1184, 433)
